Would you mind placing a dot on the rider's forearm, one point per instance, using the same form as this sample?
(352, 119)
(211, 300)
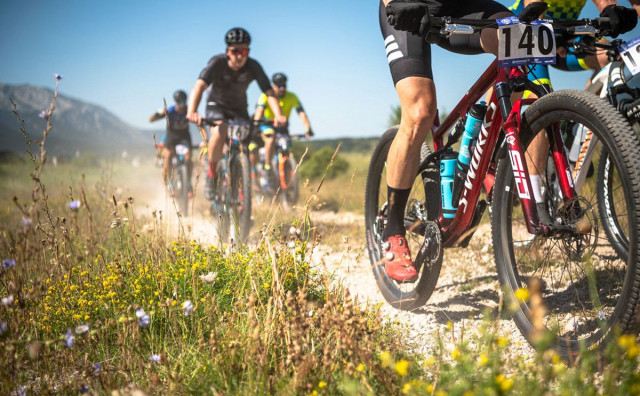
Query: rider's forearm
(259, 113)
(274, 105)
(601, 4)
(305, 120)
(156, 116)
(196, 94)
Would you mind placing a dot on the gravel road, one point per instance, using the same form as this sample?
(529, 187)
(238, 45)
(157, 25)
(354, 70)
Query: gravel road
(467, 287)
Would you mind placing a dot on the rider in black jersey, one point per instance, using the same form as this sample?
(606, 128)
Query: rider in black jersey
(177, 133)
(229, 76)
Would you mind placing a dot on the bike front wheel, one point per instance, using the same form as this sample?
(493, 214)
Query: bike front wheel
(182, 189)
(422, 206)
(240, 198)
(580, 288)
(289, 180)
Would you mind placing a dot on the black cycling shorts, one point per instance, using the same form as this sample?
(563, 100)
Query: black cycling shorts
(409, 55)
(172, 140)
(215, 111)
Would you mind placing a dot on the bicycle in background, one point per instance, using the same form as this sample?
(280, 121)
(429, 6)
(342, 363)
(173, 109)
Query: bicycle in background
(282, 179)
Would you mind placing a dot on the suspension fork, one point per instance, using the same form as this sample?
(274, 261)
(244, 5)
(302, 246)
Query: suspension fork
(561, 162)
(523, 187)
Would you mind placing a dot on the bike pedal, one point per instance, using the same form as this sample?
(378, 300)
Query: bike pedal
(477, 216)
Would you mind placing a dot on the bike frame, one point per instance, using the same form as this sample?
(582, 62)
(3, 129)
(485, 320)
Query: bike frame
(499, 108)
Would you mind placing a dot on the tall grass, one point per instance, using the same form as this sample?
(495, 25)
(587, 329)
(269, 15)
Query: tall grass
(96, 298)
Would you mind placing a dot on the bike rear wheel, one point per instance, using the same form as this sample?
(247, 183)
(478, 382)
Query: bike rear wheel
(587, 288)
(423, 204)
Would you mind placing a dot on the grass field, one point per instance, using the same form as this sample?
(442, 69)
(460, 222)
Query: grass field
(97, 297)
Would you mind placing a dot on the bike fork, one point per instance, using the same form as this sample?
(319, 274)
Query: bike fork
(520, 170)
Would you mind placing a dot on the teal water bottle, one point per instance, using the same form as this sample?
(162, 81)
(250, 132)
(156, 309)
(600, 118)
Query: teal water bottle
(472, 126)
(448, 162)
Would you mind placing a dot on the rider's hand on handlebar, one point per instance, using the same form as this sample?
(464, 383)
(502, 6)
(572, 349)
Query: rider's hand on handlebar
(309, 134)
(195, 118)
(408, 15)
(279, 121)
(622, 19)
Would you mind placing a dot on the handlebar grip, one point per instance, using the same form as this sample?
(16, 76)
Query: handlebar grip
(425, 25)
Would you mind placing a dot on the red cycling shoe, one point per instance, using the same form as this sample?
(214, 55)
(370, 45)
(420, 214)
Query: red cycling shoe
(397, 260)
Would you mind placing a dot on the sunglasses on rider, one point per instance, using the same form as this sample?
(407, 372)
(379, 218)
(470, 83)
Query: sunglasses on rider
(281, 86)
(239, 51)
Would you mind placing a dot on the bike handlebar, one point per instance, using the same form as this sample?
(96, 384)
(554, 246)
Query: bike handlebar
(446, 26)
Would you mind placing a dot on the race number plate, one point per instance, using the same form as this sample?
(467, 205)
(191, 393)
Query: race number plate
(521, 44)
(630, 52)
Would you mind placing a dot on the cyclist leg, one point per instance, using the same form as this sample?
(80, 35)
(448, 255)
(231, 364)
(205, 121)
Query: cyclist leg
(269, 146)
(186, 140)
(167, 153)
(536, 154)
(409, 58)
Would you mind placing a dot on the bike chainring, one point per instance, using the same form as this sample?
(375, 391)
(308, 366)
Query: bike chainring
(431, 249)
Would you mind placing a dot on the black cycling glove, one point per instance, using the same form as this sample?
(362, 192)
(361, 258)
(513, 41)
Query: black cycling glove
(621, 19)
(408, 15)
(309, 133)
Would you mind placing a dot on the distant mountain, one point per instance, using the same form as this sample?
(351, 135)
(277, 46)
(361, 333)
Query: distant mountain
(77, 125)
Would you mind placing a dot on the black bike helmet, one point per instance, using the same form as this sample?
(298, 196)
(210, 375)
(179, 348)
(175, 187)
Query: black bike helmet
(279, 79)
(237, 36)
(180, 96)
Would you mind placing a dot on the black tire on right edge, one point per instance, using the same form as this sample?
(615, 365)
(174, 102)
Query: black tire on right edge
(425, 191)
(587, 289)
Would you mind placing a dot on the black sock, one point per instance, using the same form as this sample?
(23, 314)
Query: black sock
(397, 200)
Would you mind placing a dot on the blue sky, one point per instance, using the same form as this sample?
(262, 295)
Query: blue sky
(127, 55)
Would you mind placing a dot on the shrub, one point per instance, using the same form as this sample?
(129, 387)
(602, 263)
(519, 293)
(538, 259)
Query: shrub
(317, 163)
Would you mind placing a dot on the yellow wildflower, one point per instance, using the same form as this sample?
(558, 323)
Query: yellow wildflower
(522, 295)
(402, 367)
(386, 359)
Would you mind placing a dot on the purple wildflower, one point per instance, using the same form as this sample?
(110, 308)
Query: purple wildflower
(22, 391)
(84, 389)
(601, 315)
(188, 307)
(6, 263)
(43, 114)
(26, 221)
(143, 318)
(74, 205)
(69, 339)
(3, 328)
(97, 368)
(57, 76)
(155, 358)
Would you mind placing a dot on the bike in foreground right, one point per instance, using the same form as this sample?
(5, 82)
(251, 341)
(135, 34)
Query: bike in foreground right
(587, 287)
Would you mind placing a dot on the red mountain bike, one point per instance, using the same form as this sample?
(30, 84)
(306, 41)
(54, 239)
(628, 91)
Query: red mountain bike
(587, 287)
